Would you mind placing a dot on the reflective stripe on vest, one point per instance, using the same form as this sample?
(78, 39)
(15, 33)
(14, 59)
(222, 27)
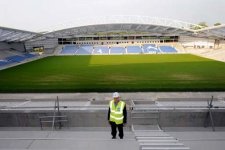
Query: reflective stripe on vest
(116, 112)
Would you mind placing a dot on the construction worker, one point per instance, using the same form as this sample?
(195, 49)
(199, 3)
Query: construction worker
(117, 115)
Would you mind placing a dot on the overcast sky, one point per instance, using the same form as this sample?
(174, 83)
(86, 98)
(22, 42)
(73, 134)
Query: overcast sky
(39, 15)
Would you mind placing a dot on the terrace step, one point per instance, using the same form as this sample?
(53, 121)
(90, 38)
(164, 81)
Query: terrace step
(156, 140)
(165, 148)
(144, 117)
(161, 144)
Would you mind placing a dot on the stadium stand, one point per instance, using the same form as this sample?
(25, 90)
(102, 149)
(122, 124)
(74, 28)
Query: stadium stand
(101, 50)
(85, 50)
(134, 50)
(69, 49)
(90, 49)
(167, 49)
(117, 50)
(4, 62)
(218, 54)
(15, 58)
(8, 53)
(28, 55)
(8, 57)
(150, 48)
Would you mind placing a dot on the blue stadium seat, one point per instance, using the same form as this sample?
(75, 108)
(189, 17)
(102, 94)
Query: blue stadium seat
(28, 55)
(89, 49)
(168, 49)
(16, 58)
(4, 62)
(134, 49)
(150, 48)
(85, 50)
(101, 50)
(117, 50)
(69, 49)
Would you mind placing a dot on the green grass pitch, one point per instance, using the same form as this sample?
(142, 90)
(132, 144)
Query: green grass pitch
(127, 73)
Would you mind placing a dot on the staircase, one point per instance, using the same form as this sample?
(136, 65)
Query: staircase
(148, 132)
(58, 49)
(179, 48)
(151, 137)
(145, 117)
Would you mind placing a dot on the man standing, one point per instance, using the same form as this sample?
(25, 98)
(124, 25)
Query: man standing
(117, 115)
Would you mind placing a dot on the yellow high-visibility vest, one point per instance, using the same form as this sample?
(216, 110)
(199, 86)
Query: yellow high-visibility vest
(116, 112)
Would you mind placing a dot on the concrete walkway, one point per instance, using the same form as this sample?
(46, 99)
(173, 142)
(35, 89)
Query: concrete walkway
(108, 96)
(100, 139)
(199, 138)
(69, 140)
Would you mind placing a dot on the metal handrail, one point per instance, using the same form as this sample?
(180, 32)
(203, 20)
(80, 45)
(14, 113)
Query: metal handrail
(54, 117)
(106, 107)
(209, 114)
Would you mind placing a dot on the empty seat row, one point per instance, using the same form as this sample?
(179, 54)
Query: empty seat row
(134, 49)
(89, 49)
(85, 50)
(101, 50)
(4, 62)
(69, 49)
(150, 48)
(167, 49)
(16, 59)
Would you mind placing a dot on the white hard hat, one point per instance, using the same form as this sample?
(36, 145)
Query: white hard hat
(116, 94)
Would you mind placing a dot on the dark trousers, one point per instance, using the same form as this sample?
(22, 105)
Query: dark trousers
(114, 131)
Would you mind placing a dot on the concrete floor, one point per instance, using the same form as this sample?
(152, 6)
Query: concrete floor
(58, 140)
(199, 138)
(78, 100)
(100, 139)
(108, 96)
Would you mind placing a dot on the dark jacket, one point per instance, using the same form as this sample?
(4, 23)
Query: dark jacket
(124, 114)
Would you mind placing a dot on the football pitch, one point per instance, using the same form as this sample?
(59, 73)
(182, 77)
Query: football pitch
(127, 73)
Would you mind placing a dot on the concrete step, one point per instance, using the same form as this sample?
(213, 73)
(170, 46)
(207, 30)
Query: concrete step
(147, 131)
(144, 112)
(161, 144)
(146, 128)
(158, 141)
(151, 134)
(165, 148)
(147, 115)
(139, 115)
(144, 117)
(155, 138)
(146, 108)
(144, 121)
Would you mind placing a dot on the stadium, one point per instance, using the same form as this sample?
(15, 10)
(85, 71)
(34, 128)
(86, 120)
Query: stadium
(170, 73)
(121, 38)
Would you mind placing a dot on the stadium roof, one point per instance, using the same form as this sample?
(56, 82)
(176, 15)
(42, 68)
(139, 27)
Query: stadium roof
(214, 32)
(15, 35)
(134, 25)
(125, 24)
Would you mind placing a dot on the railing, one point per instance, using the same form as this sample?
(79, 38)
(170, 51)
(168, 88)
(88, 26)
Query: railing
(56, 118)
(53, 120)
(209, 114)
